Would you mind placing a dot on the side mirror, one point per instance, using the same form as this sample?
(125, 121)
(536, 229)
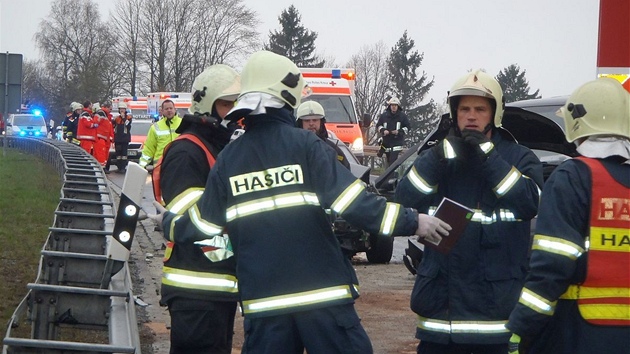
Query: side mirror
(367, 120)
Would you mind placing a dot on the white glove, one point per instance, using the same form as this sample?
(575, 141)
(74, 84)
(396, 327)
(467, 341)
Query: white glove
(431, 228)
(160, 213)
(149, 168)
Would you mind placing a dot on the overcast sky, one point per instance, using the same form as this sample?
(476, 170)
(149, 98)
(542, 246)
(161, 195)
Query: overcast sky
(555, 41)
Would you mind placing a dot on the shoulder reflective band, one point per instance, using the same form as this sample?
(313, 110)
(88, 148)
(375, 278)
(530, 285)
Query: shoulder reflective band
(557, 245)
(420, 184)
(537, 302)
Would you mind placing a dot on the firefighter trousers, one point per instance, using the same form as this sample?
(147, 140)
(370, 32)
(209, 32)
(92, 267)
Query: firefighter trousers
(329, 330)
(200, 326)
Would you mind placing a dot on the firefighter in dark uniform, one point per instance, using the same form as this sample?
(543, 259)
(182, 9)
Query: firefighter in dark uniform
(270, 188)
(199, 284)
(122, 136)
(71, 122)
(393, 125)
(577, 295)
(311, 116)
(463, 298)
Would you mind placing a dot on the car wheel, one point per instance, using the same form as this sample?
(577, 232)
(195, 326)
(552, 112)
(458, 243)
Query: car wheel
(381, 250)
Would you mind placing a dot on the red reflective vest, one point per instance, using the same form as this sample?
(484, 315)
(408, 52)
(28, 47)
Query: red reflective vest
(604, 296)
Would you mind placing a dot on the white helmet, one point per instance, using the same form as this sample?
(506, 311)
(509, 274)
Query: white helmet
(477, 83)
(216, 82)
(122, 105)
(96, 106)
(599, 107)
(394, 100)
(274, 74)
(76, 105)
(310, 110)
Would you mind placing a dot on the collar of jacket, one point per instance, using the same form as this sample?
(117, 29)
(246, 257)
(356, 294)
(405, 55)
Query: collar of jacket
(273, 115)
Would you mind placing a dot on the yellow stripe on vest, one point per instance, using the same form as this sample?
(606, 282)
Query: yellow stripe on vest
(610, 239)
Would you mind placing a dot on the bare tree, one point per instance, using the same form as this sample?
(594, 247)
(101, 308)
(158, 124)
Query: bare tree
(74, 53)
(372, 80)
(126, 49)
(182, 37)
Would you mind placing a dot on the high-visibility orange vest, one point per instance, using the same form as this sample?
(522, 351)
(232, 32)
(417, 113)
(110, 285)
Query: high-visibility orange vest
(604, 296)
(157, 191)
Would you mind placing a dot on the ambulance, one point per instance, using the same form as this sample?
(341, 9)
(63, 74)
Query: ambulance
(137, 106)
(334, 90)
(182, 101)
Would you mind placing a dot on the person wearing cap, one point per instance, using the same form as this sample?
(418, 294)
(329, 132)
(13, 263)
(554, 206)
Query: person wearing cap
(199, 284)
(269, 189)
(392, 125)
(463, 298)
(577, 295)
(311, 116)
(122, 136)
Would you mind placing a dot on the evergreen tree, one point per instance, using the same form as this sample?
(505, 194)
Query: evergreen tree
(294, 41)
(515, 86)
(411, 88)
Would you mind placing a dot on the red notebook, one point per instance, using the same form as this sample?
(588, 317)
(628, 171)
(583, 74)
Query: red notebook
(454, 214)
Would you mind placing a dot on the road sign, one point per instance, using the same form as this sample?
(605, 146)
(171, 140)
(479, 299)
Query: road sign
(10, 83)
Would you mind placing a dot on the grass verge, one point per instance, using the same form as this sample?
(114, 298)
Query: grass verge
(29, 195)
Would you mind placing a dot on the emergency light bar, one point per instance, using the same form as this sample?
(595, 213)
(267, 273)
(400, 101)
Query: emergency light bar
(347, 74)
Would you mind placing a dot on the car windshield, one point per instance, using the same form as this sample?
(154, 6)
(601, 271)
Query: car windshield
(338, 109)
(28, 120)
(140, 127)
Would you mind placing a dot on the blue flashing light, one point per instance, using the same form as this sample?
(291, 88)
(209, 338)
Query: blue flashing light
(336, 73)
(22, 133)
(37, 133)
(37, 112)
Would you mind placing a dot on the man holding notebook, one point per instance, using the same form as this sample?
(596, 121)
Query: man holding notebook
(463, 295)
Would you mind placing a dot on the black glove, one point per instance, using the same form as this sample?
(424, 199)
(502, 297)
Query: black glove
(481, 144)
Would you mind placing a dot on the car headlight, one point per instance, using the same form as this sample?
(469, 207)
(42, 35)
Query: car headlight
(357, 146)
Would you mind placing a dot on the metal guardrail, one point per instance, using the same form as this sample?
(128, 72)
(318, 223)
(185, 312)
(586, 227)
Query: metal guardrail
(77, 304)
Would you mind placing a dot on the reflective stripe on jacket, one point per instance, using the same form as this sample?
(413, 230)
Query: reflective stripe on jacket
(273, 204)
(466, 296)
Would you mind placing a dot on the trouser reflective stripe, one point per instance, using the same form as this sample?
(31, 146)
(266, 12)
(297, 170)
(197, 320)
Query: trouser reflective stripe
(479, 327)
(297, 299)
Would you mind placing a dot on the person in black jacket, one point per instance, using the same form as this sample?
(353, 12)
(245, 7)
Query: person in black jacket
(393, 125)
(71, 122)
(270, 189)
(199, 284)
(311, 116)
(463, 298)
(122, 136)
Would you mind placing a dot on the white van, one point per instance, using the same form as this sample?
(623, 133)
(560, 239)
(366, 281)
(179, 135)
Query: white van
(26, 125)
